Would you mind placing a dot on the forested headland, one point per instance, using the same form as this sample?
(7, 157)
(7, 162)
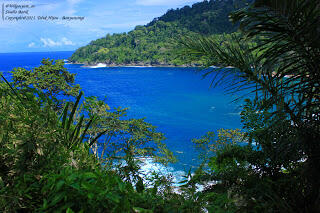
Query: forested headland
(155, 43)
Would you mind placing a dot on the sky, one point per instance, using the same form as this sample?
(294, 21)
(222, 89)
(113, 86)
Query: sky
(92, 19)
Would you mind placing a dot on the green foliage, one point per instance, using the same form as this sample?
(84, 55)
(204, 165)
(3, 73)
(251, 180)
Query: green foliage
(151, 45)
(84, 191)
(32, 144)
(277, 60)
(51, 78)
(125, 141)
(46, 161)
(206, 17)
(156, 43)
(208, 144)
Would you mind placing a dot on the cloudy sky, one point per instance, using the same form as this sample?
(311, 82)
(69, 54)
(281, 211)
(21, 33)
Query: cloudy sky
(100, 17)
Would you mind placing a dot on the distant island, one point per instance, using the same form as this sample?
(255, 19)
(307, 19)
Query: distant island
(154, 44)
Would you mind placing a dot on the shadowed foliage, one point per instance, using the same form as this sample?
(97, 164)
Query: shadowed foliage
(276, 58)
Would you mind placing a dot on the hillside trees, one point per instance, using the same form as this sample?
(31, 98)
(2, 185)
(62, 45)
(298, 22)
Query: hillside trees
(206, 17)
(145, 45)
(155, 43)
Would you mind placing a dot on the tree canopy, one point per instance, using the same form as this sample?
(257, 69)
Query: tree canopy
(155, 43)
(51, 78)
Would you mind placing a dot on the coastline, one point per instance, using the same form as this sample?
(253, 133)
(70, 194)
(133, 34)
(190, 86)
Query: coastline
(141, 65)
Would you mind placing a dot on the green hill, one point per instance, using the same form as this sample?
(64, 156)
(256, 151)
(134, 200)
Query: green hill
(153, 43)
(207, 17)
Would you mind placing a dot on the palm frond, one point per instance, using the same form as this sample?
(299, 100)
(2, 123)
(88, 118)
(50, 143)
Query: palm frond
(276, 57)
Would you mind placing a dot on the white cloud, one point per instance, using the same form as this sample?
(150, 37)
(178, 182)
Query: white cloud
(48, 42)
(32, 44)
(163, 2)
(66, 41)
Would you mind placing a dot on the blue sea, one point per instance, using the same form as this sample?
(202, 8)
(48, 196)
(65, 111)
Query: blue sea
(178, 101)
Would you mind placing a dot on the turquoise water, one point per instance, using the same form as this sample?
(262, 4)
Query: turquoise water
(176, 100)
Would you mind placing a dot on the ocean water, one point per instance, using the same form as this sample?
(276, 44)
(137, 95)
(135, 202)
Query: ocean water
(178, 101)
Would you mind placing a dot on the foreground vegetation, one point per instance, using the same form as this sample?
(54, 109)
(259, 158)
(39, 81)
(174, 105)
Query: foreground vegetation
(81, 156)
(279, 168)
(49, 154)
(78, 155)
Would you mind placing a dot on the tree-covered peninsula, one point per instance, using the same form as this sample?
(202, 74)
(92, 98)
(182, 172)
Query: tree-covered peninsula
(154, 43)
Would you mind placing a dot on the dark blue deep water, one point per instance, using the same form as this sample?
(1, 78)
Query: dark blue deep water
(176, 100)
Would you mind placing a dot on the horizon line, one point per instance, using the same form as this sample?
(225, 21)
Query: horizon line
(39, 51)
